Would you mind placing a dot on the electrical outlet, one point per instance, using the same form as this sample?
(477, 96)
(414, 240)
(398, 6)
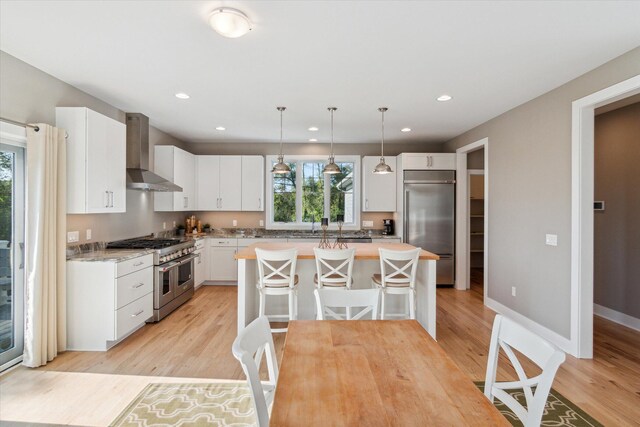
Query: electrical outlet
(367, 224)
(164, 225)
(261, 223)
(513, 291)
(174, 224)
(551, 239)
(73, 236)
(235, 223)
(88, 234)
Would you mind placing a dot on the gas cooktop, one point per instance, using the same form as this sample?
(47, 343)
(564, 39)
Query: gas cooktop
(144, 243)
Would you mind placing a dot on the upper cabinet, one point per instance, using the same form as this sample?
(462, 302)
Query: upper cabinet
(96, 161)
(252, 183)
(378, 190)
(219, 183)
(179, 167)
(420, 161)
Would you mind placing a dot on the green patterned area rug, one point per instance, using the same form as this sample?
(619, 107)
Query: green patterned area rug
(558, 412)
(204, 404)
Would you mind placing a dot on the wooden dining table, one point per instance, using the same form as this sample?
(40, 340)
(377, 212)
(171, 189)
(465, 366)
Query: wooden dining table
(373, 373)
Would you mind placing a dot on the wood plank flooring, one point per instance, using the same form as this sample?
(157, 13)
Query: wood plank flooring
(195, 341)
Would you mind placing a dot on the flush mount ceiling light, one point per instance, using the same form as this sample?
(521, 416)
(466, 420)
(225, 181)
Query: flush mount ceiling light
(221, 128)
(313, 129)
(182, 95)
(229, 22)
(331, 167)
(382, 167)
(281, 166)
(405, 130)
(443, 98)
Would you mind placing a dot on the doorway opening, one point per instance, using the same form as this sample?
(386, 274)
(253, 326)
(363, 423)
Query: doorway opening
(582, 210)
(472, 217)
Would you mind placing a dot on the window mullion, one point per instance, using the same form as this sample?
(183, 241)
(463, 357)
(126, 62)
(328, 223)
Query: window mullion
(299, 171)
(327, 195)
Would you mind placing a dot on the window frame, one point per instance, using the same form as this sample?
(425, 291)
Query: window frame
(299, 225)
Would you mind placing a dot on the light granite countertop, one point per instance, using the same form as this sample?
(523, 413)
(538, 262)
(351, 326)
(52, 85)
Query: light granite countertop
(116, 255)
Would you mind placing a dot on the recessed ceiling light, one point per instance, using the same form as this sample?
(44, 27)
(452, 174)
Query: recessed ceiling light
(182, 95)
(443, 98)
(229, 22)
(221, 128)
(313, 129)
(313, 140)
(405, 130)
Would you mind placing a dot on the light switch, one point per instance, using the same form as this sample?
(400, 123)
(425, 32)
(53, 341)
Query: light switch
(88, 234)
(73, 236)
(164, 225)
(261, 223)
(235, 223)
(367, 224)
(551, 239)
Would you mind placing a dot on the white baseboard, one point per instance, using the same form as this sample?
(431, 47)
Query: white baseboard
(616, 316)
(546, 333)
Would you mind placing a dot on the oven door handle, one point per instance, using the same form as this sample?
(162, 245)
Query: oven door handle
(186, 260)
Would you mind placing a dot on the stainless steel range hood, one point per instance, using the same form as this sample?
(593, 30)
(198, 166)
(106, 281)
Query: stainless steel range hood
(139, 177)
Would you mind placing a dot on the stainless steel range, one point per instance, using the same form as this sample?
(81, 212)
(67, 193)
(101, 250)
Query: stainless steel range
(173, 261)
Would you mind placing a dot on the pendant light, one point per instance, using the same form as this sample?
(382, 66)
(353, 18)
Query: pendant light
(382, 167)
(331, 167)
(281, 166)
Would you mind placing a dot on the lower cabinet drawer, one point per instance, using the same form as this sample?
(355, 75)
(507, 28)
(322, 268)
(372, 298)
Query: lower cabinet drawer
(132, 286)
(133, 315)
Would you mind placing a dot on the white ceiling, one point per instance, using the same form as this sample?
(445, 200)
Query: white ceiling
(308, 55)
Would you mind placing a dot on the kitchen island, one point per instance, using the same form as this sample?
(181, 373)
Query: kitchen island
(367, 262)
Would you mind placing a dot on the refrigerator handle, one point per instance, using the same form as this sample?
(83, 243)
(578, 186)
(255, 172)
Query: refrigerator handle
(406, 217)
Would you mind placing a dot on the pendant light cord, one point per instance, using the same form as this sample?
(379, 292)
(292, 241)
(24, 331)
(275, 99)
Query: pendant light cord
(382, 154)
(332, 110)
(281, 133)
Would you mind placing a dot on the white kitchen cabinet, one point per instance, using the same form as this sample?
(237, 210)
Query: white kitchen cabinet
(179, 167)
(96, 161)
(107, 301)
(201, 271)
(252, 183)
(223, 266)
(422, 161)
(219, 183)
(378, 190)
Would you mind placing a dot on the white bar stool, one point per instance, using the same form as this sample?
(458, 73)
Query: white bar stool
(334, 268)
(277, 276)
(398, 277)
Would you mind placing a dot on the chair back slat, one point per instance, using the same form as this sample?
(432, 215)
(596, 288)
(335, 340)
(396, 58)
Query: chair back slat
(334, 265)
(276, 268)
(329, 299)
(249, 346)
(399, 266)
(509, 335)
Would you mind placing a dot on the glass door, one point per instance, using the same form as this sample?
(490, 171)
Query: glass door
(12, 180)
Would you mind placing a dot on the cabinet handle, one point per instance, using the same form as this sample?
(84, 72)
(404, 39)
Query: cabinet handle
(259, 202)
(111, 198)
(139, 285)
(107, 193)
(220, 203)
(138, 264)
(366, 203)
(137, 314)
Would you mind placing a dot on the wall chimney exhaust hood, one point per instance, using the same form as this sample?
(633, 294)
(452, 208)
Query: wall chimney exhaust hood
(139, 177)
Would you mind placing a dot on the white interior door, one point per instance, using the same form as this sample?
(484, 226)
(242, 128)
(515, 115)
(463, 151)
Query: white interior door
(12, 187)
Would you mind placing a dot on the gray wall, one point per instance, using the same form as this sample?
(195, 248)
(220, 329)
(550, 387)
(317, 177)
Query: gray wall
(30, 95)
(530, 195)
(617, 229)
(475, 159)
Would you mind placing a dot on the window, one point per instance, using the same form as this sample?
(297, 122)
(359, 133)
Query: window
(305, 195)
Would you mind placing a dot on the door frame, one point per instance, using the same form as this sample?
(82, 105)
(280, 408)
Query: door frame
(462, 215)
(582, 198)
(16, 136)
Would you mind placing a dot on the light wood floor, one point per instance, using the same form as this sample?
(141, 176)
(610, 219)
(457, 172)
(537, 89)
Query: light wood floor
(195, 341)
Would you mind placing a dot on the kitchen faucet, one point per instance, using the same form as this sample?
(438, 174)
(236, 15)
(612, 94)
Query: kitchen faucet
(313, 224)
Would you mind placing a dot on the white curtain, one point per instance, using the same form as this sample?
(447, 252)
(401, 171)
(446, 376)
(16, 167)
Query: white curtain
(45, 295)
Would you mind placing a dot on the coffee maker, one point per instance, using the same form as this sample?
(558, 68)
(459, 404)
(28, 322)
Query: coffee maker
(389, 228)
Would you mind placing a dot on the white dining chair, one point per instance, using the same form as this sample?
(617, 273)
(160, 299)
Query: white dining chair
(397, 277)
(276, 277)
(509, 335)
(333, 267)
(329, 299)
(249, 346)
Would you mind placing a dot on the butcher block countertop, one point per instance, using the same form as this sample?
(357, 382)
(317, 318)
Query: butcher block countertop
(305, 250)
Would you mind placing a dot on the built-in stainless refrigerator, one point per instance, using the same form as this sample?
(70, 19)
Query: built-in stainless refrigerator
(429, 217)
